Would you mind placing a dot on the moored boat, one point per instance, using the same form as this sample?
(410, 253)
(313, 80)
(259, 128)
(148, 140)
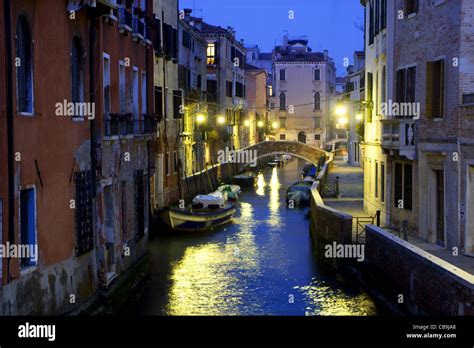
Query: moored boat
(248, 179)
(299, 194)
(196, 218)
(230, 192)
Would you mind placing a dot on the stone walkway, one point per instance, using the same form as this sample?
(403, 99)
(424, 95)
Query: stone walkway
(351, 188)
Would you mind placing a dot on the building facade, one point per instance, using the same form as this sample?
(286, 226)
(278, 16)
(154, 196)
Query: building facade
(80, 159)
(193, 83)
(430, 148)
(378, 50)
(304, 89)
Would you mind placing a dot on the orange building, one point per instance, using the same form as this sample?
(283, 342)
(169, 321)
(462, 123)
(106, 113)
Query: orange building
(83, 141)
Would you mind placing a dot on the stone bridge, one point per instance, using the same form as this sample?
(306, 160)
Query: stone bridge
(293, 148)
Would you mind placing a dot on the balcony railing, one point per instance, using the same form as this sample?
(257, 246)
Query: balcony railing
(138, 30)
(125, 20)
(398, 135)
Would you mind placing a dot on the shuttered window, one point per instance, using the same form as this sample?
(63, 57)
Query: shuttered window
(435, 89)
(24, 66)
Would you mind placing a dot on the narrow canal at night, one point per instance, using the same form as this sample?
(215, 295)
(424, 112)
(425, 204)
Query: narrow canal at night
(260, 264)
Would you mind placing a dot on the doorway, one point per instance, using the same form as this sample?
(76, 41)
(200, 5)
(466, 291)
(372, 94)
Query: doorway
(302, 137)
(440, 239)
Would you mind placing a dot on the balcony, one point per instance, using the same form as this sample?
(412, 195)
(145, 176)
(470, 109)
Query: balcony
(138, 30)
(398, 137)
(123, 125)
(125, 21)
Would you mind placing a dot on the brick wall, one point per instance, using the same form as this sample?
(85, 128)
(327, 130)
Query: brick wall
(428, 284)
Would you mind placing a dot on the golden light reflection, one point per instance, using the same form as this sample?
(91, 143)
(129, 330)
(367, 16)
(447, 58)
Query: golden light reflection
(260, 185)
(274, 199)
(208, 280)
(326, 301)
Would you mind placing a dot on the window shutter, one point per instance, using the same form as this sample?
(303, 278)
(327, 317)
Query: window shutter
(177, 102)
(429, 89)
(159, 102)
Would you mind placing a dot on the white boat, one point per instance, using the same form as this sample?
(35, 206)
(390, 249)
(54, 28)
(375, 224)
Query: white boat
(196, 219)
(215, 198)
(230, 192)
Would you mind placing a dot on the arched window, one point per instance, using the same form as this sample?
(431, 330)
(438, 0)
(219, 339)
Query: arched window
(282, 101)
(77, 71)
(24, 66)
(384, 85)
(317, 101)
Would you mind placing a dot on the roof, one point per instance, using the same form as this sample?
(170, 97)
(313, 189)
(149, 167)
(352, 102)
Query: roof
(302, 57)
(212, 29)
(265, 56)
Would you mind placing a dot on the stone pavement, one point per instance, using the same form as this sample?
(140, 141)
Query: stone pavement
(351, 188)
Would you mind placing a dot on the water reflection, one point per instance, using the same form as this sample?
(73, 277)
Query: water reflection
(253, 266)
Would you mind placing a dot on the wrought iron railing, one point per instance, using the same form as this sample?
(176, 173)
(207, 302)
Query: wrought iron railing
(125, 18)
(359, 223)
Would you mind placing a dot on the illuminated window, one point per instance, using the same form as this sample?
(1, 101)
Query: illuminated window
(211, 53)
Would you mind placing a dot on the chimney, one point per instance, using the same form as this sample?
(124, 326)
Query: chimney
(326, 53)
(285, 40)
(187, 14)
(198, 23)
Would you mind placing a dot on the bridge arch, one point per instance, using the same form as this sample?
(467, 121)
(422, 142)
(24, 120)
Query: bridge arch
(292, 148)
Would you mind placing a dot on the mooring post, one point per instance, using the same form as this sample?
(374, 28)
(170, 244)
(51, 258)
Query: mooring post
(337, 186)
(378, 217)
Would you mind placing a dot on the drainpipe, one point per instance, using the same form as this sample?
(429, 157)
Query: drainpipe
(92, 96)
(10, 133)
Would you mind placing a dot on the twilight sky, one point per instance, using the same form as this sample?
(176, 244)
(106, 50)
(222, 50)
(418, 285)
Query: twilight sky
(329, 24)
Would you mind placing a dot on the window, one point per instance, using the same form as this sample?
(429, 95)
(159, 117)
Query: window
(122, 88)
(317, 122)
(84, 204)
(282, 122)
(383, 11)
(159, 101)
(369, 96)
(144, 99)
(406, 82)
(384, 85)
(134, 96)
(282, 75)
(376, 179)
(211, 53)
(167, 163)
(228, 89)
(371, 11)
(411, 6)
(403, 186)
(317, 101)
(106, 83)
(382, 182)
(282, 136)
(24, 72)
(175, 162)
(28, 224)
(239, 90)
(177, 104)
(282, 101)
(317, 74)
(77, 72)
(435, 89)
(317, 137)
(139, 204)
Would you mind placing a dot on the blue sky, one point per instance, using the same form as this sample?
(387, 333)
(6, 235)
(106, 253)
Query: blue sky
(329, 24)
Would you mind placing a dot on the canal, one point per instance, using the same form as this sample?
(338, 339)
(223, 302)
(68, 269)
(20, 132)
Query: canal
(260, 264)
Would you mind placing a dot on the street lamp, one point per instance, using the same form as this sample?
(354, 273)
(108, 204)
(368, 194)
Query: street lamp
(275, 125)
(359, 117)
(200, 118)
(247, 123)
(221, 120)
(341, 110)
(260, 124)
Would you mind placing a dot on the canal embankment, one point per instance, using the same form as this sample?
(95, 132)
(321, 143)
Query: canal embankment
(401, 277)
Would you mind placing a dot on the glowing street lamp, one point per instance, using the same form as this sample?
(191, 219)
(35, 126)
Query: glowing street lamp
(359, 117)
(200, 118)
(221, 120)
(275, 125)
(341, 110)
(343, 121)
(260, 124)
(247, 123)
